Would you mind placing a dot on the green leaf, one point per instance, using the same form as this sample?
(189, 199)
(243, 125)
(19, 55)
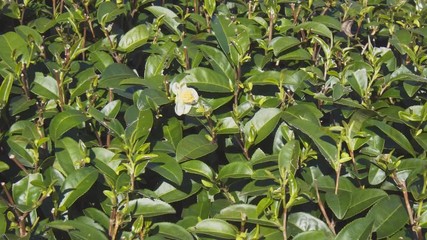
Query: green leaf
(79, 228)
(76, 184)
(389, 216)
(315, 27)
(221, 30)
(265, 78)
(205, 79)
(394, 134)
(167, 167)
(359, 229)
(236, 211)
(194, 146)
(148, 207)
(376, 175)
(134, 38)
(304, 222)
(69, 154)
(3, 167)
(215, 228)
(320, 137)
(280, 44)
(114, 74)
(65, 121)
(298, 55)
(218, 60)
(18, 146)
(5, 88)
(359, 81)
(112, 124)
(199, 168)
(339, 203)
(289, 157)
(45, 86)
(101, 60)
(25, 194)
(3, 224)
(172, 131)
(363, 199)
(170, 18)
(98, 216)
(107, 12)
(235, 170)
(318, 235)
(173, 193)
(170, 231)
(12, 46)
(262, 123)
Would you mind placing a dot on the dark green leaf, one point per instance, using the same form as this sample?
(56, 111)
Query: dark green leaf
(193, 147)
(167, 167)
(235, 170)
(64, 121)
(171, 231)
(25, 194)
(148, 207)
(215, 228)
(359, 229)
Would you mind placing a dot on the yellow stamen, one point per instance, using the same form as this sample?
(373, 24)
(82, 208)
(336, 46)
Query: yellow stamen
(187, 96)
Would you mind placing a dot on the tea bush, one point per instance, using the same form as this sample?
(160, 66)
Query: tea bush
(272, 119)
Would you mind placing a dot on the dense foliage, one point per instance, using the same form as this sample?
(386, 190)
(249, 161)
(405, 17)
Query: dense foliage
(213, 119)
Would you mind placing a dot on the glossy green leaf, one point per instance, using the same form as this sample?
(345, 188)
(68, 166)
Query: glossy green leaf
(12, 46)
(394, 134)
(389, 216)
(262, 123)
(193, 147)
(173, 132)
(45, 86)
(205, 79)
(235, 170)
(98, 216)
(170, 18)
(316, 234)
(25, 194)
(69, 154)
(299, 54)
(167, 167)
(339, 203)
(358, 229)
(315, 27)
(198, 167)
(5, 88)
(215, 228)
(171, 231)
(80, 228)
(173, 193)
(235, 213)
(280, 44)
(363, 199)
(65, 121)
(289, 157)
(76, 184)
(134, 38)
(148, 207)
(218, 60)
(303, 222)
(221, 30)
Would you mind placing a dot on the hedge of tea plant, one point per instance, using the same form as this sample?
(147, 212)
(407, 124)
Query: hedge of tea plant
(271, 119)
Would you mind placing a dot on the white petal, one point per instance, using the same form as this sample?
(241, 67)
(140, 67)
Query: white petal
(175, 87)
(179, 108)
(187, 108)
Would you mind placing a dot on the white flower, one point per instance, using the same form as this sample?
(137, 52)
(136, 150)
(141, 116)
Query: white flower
(185, 97)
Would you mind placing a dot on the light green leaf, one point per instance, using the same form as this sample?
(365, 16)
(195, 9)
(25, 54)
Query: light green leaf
(315, 27)
(299, 55)
(280, 44)
(236, 211)
(218, 60)
(5, 88)
(339, 203)
(289, 157)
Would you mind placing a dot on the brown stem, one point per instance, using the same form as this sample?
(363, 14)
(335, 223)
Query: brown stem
(331, 225)
(111, 227)
(285, 215)
(20, 217)
(250, 9)
(13, 158)
(270, 27)
(187, 59)
(54, 8)
(402, 186)
(24, 78)
(337, 180)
